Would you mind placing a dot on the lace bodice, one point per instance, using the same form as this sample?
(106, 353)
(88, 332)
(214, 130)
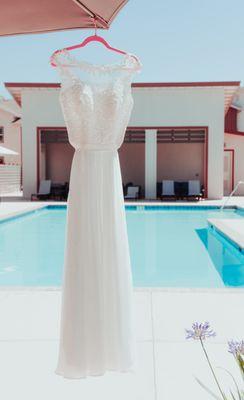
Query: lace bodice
(96, 100)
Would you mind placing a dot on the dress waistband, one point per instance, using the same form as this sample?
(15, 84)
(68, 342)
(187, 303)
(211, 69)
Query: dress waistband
(97, 147)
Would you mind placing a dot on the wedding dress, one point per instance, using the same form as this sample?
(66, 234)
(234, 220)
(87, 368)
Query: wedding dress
(96, 332)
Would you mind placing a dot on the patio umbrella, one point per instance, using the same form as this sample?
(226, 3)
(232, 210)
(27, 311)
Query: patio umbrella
(35, 16)
(4, 151)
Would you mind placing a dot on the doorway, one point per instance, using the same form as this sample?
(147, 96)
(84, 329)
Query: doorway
(182, 155)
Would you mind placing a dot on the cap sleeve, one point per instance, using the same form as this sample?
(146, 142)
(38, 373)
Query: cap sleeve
(133, 63)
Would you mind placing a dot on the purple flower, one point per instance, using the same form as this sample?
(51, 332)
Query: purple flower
(236, 348)
(200, 331)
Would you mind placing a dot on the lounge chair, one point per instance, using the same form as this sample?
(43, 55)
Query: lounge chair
(59, 191)
(132, 192)
(168, 189)
(181, 190)
(194, 189)
(159, 189)
(125, 187)
(44, 191)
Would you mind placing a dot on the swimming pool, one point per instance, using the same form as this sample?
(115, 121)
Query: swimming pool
(170, 247)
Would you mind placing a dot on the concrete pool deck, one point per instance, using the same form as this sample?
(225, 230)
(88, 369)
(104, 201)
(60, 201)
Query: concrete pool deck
(166, 364)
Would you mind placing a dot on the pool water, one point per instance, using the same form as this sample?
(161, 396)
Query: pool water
(169, 247)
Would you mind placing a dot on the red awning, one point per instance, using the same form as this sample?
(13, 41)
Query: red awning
(35, 16)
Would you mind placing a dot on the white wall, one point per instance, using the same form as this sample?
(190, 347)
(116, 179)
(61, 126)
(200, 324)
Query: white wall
(152, 107)
(12, 137)
(40, 108)
(151, 164)
(236, 143)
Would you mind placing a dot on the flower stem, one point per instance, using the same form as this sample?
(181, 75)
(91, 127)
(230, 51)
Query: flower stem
(212, 370)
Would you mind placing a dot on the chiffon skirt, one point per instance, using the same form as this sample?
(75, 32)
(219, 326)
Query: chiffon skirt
(96, 331)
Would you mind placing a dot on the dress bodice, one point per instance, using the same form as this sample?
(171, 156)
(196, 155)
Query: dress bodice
(96, 100)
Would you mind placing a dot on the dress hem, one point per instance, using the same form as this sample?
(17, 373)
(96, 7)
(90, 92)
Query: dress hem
(90, 375)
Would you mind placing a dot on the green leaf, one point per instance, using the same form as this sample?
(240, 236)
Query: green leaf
(235, 383)
(240, 362)
(208, 390)
(232, 395)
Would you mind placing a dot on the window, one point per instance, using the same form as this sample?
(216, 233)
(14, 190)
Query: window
(134, 136)
(181, 136)
(1, 134)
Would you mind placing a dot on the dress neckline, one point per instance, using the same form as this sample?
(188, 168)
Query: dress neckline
(64, 59)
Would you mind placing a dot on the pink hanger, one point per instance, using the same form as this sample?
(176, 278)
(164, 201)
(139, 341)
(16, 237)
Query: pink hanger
(89, 39)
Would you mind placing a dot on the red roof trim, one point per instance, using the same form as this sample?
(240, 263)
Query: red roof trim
(31, 85)
(136, 84)
(185, 84)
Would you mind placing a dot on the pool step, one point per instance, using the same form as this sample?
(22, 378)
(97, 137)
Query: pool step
(233, 229)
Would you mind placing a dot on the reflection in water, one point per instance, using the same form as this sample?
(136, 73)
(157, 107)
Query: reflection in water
(228, 260)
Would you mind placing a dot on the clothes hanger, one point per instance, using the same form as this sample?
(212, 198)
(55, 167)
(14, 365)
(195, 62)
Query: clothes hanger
(89, 39)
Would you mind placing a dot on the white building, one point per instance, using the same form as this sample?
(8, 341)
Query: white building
(177, 131)
(10, 138)
(10, 130)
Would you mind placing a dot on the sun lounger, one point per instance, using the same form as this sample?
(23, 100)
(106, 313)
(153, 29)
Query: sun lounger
(168, 189)
(44, 191)
(181, 190)
(132, 192)
(194, 189)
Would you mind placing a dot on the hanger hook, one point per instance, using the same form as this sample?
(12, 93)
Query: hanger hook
(95, 24)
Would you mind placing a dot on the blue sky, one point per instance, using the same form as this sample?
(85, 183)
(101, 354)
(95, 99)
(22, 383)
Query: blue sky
(176, 40)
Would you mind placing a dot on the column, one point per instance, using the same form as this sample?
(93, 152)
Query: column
(151, 164)
(29, 158)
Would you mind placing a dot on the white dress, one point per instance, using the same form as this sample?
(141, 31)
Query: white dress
(96, 333)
